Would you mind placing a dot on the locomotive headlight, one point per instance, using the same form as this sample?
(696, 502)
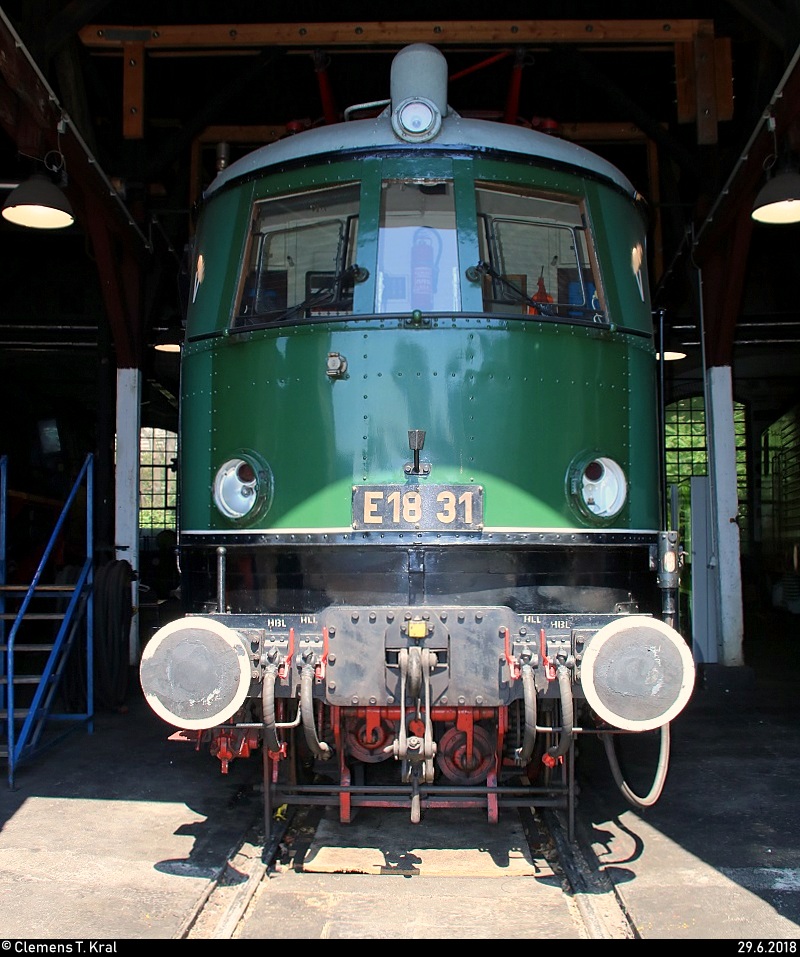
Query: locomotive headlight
(598, 487)
(242, 487)
(416, 119)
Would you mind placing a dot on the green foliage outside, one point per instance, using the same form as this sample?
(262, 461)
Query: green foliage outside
(158, 480)
(686, 452)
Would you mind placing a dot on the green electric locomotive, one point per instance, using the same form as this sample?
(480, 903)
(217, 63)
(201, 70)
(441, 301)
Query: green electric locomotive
(421, 536)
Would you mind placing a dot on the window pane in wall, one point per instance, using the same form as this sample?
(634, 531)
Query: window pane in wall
(780, 501)
(686, 453)
(158, 480)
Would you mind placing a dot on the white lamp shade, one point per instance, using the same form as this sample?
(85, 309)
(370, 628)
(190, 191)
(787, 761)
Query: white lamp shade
(170, 339)
(779, 199)
(39, 204)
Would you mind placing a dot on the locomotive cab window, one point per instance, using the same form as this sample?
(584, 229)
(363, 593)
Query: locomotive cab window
(417, 248)
(537, 257)
(298, 262)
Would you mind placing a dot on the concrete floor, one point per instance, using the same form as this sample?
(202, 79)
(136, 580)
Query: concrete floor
(117, 834)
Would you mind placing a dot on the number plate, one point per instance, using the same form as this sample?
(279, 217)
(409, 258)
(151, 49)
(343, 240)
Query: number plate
(418, 507)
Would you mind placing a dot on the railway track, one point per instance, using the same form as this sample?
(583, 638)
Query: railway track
(318, 879)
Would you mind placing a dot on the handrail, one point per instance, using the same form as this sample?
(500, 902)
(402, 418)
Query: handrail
(16, 745)
(3, 564)
(33, 712)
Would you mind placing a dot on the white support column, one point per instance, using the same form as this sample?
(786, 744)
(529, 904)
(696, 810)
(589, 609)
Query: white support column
(721, 439)
(126, 532)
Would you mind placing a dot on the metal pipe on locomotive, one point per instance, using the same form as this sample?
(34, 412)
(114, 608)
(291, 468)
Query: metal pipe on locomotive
(420, 531)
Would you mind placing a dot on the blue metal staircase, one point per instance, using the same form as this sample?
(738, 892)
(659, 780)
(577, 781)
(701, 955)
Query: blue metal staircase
(29, 699)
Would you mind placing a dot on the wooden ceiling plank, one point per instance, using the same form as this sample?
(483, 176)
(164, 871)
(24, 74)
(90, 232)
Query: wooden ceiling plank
(120, 287)
(9, 104)
(18, 75)
(723, 64)
(723, 285)
(685, 94)
(599, 132)
(199, 36)
(705, 89)
(133, 91)
(255, 135)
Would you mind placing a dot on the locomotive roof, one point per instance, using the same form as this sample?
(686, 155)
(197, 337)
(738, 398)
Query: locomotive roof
(457, 134)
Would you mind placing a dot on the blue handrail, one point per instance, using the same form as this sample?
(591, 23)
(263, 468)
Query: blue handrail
(79, 603)
(3, 500)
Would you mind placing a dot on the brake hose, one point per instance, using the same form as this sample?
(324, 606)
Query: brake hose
(661, 771)
(565, 740)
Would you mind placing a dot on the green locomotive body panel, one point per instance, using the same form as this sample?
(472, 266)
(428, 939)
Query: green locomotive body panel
(505, 408)
(507, 404)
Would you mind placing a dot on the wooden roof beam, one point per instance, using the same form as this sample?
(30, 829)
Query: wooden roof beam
(698, 75)
(704, 84)
(445, 32)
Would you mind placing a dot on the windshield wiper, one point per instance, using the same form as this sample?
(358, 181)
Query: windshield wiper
(486, 269)
(332, 292)
(543, 308)
(319, 298)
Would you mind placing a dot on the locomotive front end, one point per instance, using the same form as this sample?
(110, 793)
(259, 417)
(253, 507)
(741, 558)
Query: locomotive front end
(420, 502)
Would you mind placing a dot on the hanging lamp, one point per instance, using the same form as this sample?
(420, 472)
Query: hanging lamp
(38, 203)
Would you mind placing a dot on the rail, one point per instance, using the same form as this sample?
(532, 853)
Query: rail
(26, 726)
